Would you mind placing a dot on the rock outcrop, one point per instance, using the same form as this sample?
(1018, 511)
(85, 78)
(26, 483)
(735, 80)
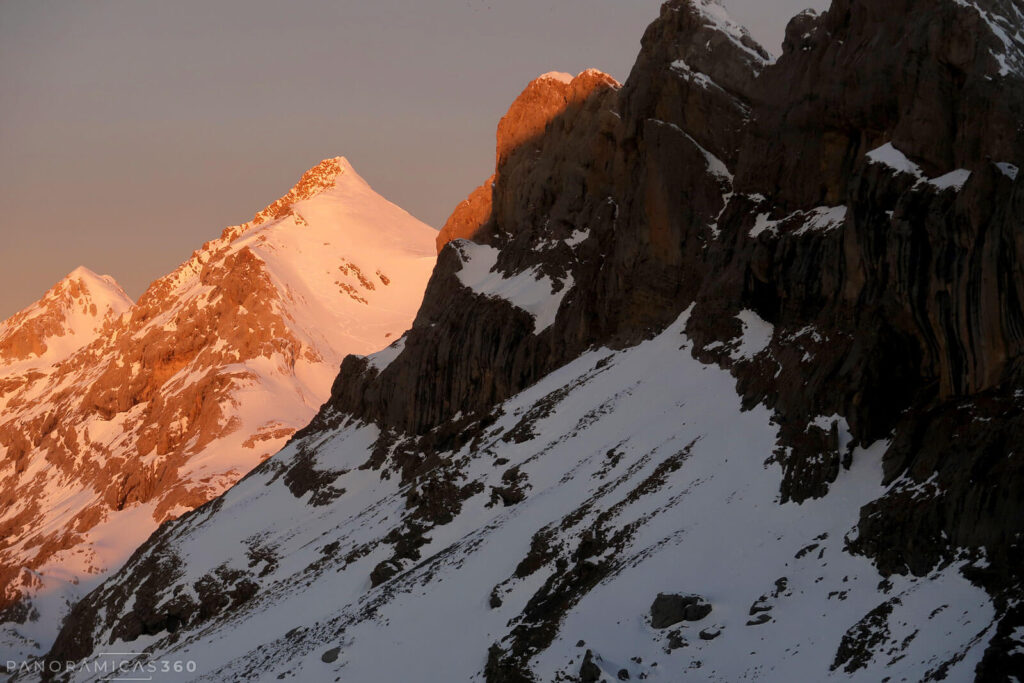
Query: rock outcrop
(468, 216)
(670, 609)
(548, 99)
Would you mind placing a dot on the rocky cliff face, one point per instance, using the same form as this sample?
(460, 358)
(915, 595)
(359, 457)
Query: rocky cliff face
(553, 99)
(744, 329)
(120, 416)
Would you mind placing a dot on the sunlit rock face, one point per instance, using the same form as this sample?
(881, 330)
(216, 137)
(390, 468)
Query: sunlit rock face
(544, 101)
(118, 416)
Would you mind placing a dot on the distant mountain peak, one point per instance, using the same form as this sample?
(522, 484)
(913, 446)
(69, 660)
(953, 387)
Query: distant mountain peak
(87, 280)
(133, 419)
(65, 319)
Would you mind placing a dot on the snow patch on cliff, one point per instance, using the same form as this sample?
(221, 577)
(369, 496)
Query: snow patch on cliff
(529, 290)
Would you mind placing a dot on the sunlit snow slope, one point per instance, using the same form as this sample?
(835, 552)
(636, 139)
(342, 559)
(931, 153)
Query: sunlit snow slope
(115, 417)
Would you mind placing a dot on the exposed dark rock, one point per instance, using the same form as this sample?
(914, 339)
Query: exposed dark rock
(805, 550)
(1004, 657)
(710, 633)
(302, 478)
(973, 499)
(834, 95)
(330, 656)
(589, 672)
(499, 670)
(669, 609)
(861, 640)
(384, 571)
(676, 641)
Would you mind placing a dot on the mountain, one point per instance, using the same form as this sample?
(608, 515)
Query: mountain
(117, 417)
(68, 317)
(718, 378)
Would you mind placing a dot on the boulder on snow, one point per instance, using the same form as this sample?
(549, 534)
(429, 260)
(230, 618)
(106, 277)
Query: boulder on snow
(676, 641)
(669, 608)
(589, 672)
(710, 633)
(762, 618)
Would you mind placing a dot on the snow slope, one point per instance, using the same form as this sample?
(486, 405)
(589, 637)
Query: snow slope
(134, 414)
(529, 290)
(619, 476)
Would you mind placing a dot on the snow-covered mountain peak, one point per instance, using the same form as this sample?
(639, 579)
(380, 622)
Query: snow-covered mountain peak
(149, 414)
(66, 318)
(314, 181)
(334, 196)
(85, 285)
(87, 275)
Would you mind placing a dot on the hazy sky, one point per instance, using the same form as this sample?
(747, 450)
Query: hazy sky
(131, 131)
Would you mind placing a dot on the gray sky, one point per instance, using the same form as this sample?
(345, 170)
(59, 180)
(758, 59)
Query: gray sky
(131, 131)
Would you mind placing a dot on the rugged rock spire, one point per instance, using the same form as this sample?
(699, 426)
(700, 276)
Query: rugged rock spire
(545, 99)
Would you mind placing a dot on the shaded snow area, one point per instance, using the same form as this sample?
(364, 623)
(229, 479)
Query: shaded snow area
(819, 219)
(894, 159)
(620, 476)
(383, 358)
(1007, 169)
(700, 78)
(529, 290)
(888, 155)
(756, 335)
(715, 165)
